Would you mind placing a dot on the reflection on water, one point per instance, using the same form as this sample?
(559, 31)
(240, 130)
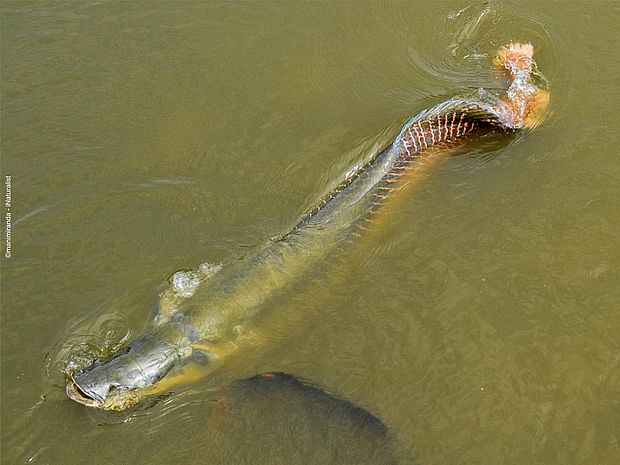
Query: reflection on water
(478, 320)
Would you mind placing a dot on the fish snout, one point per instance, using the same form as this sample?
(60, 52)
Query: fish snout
(88, 394)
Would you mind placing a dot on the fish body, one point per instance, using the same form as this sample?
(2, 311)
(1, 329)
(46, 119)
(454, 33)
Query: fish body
(233, 296)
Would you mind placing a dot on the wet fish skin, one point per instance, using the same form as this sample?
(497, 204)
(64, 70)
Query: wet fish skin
(112, 384)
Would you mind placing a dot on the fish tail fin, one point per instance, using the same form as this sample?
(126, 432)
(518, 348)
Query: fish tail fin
(514, 58)
(526, 103)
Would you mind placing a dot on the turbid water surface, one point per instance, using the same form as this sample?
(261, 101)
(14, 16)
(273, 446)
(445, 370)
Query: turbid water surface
(478, 321)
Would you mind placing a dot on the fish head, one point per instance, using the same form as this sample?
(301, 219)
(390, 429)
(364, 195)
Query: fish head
(122, 381)
(112, 385)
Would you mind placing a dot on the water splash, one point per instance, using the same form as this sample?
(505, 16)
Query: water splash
(183, 285)
(84, 342)
(468, 29)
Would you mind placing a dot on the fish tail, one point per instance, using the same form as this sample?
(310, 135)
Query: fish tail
(515, 58)
(526, 102)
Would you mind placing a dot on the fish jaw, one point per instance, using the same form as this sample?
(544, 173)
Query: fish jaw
(75, 393)
(91, 390)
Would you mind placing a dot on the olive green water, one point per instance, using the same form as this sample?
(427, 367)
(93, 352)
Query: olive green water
(479, 319)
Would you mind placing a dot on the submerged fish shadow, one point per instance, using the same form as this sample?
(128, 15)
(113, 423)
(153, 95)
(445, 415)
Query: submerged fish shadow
(276, 413)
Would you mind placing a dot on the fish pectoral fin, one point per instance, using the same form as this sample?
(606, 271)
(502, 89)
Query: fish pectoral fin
(215, 350)
(186, 374)
(238, 339)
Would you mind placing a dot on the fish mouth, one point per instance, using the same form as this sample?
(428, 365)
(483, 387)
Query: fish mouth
(116, 399)
(78, 395)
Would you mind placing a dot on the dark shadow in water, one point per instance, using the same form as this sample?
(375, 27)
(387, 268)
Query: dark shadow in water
(284, 420)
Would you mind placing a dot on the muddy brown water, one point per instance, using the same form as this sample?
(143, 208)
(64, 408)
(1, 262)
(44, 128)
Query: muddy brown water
(479, 322)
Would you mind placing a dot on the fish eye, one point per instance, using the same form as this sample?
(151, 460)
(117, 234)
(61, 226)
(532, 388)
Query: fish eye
(113, 387)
